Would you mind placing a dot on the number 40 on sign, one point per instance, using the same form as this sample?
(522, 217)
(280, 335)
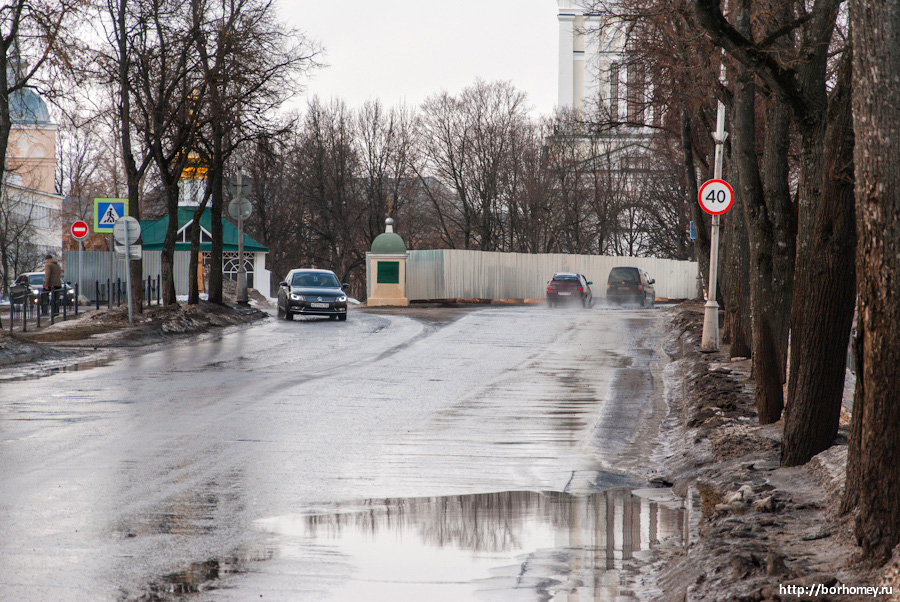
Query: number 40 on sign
(716, 197)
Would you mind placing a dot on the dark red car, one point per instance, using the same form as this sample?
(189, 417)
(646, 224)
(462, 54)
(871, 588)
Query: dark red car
(569, 288)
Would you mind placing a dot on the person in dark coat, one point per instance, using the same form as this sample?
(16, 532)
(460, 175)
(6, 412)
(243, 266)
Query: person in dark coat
(52, 277)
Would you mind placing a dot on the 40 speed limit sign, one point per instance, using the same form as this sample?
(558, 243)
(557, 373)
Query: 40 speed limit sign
(716, 197)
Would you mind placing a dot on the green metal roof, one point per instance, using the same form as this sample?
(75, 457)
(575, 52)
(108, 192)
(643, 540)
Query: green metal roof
(153, 233)
(388, 243)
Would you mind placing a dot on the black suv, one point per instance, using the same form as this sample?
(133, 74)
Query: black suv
(630, 285)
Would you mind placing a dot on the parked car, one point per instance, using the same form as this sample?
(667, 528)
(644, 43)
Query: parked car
(630, 285)
(35, 281)
(312, 293)
(568, 288)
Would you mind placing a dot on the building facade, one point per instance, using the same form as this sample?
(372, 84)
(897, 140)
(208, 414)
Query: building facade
(29, 194)
(604, 85)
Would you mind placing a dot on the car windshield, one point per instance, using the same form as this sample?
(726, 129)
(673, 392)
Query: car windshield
(35, 279)
(624, 275)
(315, 280)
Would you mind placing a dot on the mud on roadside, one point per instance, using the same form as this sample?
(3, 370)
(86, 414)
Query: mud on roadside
(756, 529)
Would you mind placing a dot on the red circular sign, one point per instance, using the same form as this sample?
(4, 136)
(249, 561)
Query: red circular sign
(716, 197)
(79, 230)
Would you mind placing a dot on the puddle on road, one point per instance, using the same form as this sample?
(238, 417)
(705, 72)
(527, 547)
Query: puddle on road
(38, 371)
(512, 546)
(501, 546)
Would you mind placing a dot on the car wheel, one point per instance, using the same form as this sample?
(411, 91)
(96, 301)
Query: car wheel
(278, 311)
(342, 317)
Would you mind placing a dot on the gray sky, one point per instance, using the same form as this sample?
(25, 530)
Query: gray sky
(399, 50)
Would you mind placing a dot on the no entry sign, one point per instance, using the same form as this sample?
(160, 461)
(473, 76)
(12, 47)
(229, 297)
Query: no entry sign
(716, 197)
(79, 230)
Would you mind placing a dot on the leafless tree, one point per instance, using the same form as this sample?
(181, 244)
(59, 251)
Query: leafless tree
(250, 63)
(873, 473)
(467, 141)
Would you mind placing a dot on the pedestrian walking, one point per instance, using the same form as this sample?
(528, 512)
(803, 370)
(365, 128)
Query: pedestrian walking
(52, 278)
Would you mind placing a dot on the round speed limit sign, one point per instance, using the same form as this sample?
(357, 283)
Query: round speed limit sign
(716, 197)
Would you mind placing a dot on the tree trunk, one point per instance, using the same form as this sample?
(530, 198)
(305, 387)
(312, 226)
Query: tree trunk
(745, 175)
(132, 173)
(701, 224)
(218, 200)
(873, 472)
(824, 288)
(167, 255)
(768, 351)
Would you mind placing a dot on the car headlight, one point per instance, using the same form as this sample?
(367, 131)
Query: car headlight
(341, 299)
(297, 297)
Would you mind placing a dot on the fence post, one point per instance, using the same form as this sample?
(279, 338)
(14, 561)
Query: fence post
(40, 304)
(108, 293)
(97, 293)
(25, 313)
(149, 289)
(77, 292)
(12, 313)
(157, 289)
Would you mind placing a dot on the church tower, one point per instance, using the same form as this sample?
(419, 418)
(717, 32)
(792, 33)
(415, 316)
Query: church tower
(579, 53)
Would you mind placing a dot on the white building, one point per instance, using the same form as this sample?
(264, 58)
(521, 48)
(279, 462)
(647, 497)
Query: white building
(604, 84)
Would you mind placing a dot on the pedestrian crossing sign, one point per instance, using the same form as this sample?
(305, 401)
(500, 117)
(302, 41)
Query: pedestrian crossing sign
(107, 211)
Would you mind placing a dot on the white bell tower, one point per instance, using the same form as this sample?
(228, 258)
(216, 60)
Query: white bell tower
(579, 53)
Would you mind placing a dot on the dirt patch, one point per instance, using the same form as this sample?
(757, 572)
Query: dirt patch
(759, 532)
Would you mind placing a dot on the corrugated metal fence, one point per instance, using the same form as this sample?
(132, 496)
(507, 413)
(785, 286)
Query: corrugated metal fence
(96, 268)
(453, 274)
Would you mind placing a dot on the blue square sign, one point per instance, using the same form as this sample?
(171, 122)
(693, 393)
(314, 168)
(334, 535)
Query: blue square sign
(107, 211)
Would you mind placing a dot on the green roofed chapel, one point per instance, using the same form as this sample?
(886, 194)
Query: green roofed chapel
(386, 269)
(153, 233)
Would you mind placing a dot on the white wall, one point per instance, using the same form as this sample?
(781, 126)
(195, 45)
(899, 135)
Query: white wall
(452, 274)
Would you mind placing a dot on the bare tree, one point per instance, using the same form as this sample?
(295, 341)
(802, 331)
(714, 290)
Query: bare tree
(823, 296)
(468, 141)
(31, 33)
(873, 473)
(250, 63)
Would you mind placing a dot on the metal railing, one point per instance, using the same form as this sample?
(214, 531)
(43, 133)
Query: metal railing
(27, 308)
(46, 306)
(114, 293)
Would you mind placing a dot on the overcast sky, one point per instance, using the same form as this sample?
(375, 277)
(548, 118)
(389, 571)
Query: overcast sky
(399, 50)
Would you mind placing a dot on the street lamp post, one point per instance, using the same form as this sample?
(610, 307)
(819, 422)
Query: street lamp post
(242, 272)
(709, 341)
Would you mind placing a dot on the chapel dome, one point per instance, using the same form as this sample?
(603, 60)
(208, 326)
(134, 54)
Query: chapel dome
(388, 243)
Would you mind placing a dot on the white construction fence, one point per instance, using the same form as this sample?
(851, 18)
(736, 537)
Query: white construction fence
(457, 274)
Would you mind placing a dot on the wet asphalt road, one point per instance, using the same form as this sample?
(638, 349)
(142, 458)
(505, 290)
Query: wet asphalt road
(383, 458)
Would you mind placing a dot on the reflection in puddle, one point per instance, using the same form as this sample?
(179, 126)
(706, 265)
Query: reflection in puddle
(43, 370)
(500, 546)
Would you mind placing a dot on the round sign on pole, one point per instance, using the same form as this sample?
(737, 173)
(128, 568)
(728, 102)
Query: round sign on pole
(716, 197)
(79, 230)
(243, 210)
(129, 225)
